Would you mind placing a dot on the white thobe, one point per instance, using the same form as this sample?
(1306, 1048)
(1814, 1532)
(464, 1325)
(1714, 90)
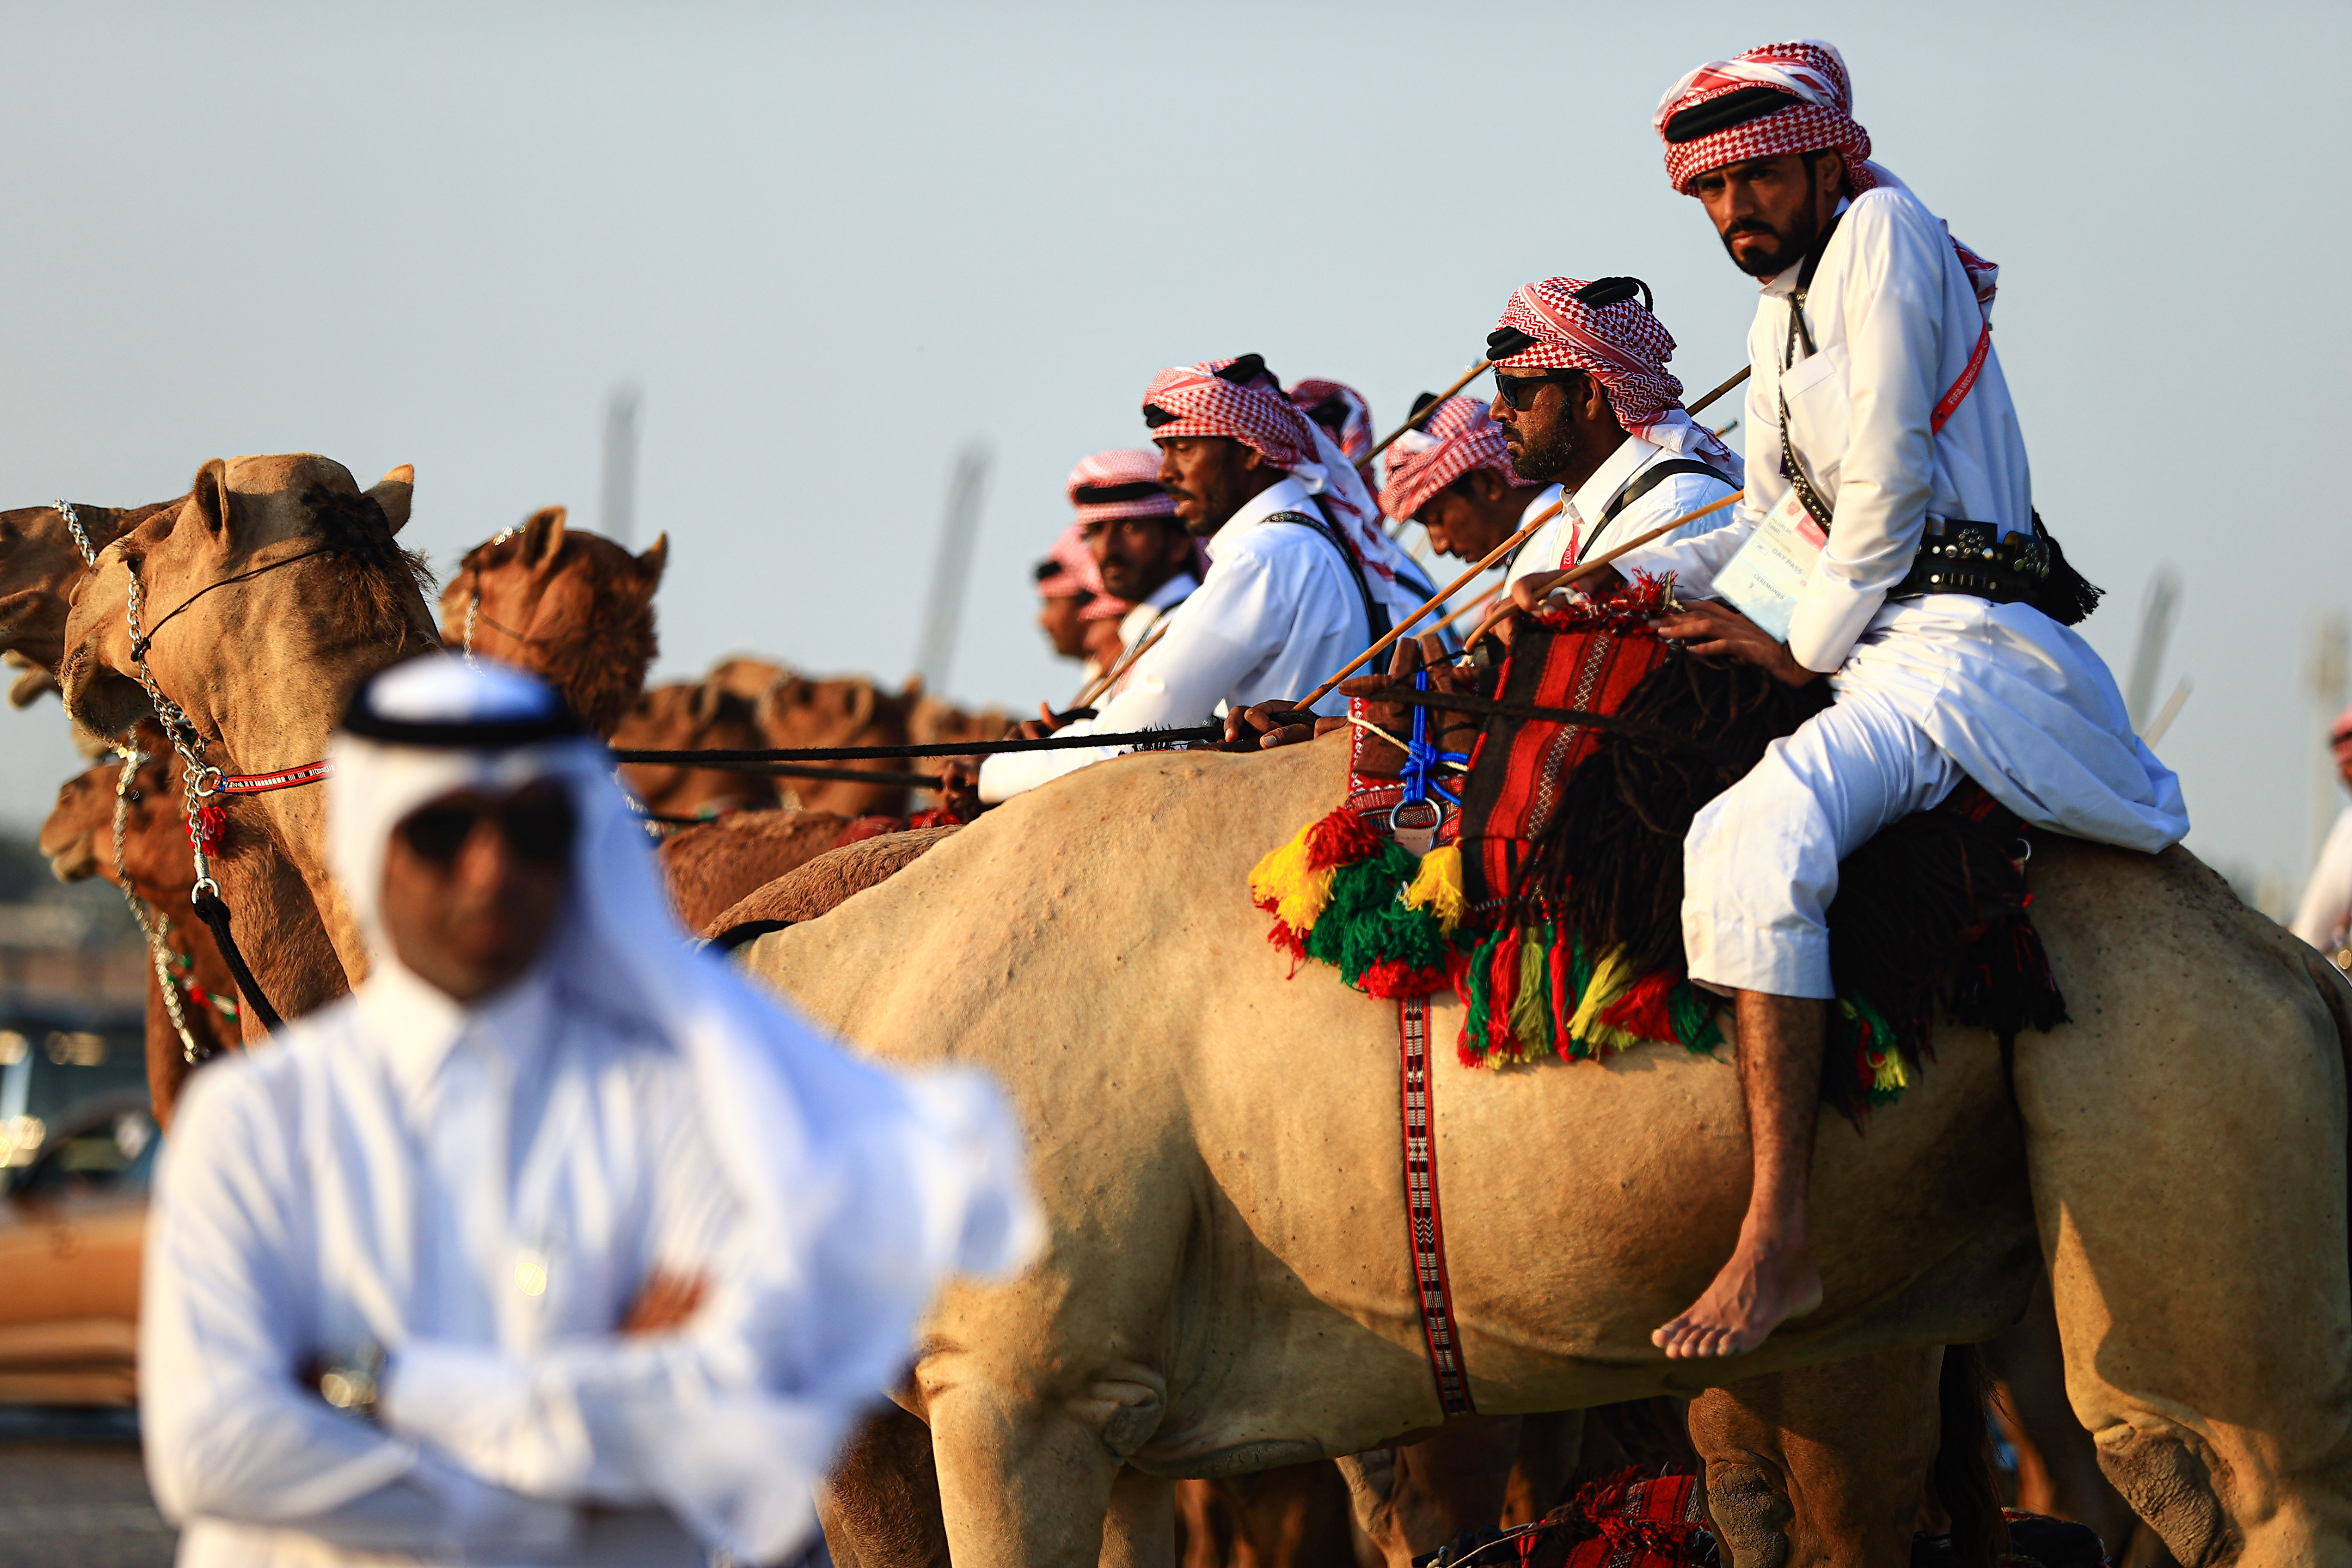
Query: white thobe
(1147, 617)
(482, 1193)
(1577, 534)
(1277, 612)
(1929, 690)
(2327, 909)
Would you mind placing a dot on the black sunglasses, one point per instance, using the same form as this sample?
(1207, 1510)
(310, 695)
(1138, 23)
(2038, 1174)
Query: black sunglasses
(1519, 391)
(539, 825)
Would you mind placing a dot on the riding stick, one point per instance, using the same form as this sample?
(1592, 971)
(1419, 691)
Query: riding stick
(1738, 377)
(1121, 666)
(1443, 593)
(1598, 561)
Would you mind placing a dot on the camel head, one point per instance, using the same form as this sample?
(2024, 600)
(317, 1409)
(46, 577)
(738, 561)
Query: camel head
(936, 721)
(571, 606)
(79, 836)
(839, 711)
(271, 590)
(692, 716)
(39, 564)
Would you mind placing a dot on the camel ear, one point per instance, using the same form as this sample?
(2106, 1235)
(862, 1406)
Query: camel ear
(708, 696)
(29, 686)
(655, 558)
(914, 686)
(861, 704)
(392, 494)
(542, 536)
(208, 498)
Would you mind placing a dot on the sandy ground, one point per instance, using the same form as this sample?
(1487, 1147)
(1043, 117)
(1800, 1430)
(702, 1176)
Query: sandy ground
(72, 1494)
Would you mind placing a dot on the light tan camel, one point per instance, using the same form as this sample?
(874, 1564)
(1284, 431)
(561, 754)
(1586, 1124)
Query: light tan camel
(1227, 1286)
(39, 564)
(270, 594)
(78, 839)
(568, 605)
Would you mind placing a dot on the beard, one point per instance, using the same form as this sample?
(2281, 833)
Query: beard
(1786, 248)
(1537, 461)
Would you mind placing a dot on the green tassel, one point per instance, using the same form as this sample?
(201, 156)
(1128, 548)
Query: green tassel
(1478, 1002)
(1694, 1013)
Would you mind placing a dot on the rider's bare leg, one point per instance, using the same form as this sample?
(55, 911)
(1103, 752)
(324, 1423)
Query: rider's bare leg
(1770, 1276)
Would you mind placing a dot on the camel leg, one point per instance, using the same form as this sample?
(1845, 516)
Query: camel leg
(880, 1506)
(1293, 1516)
(2031, 1366)
(1139, 1530)
(2187, 1148)
(1025, 1483)
(1823, 1465)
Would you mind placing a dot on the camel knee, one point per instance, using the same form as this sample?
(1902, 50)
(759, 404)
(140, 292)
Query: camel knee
(1748, 1505)
(2168, 1475)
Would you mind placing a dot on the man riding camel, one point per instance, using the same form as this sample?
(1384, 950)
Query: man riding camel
(1147, 564)
(1301, 576)
(1589, 408)
(1454, 476)
(1888, 428)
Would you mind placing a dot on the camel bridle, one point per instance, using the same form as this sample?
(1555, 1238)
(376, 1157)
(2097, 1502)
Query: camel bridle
(474, 604)
(153, 925)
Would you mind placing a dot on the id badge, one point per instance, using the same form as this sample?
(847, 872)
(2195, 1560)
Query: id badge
(1763, 580)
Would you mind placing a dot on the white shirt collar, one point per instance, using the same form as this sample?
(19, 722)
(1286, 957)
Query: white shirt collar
(1289, 495)
(1544, 499)
(420, 1023)
(1592, 497)
(1177, 588)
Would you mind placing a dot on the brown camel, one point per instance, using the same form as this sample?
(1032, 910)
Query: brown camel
(79, 840)
(840, 710)
(711, 865)
(570, 607)
(39, 564)
(1226, 1288)
(270, 593)
(694, 715)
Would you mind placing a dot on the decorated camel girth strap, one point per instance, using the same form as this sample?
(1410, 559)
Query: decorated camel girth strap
(1424, 1218)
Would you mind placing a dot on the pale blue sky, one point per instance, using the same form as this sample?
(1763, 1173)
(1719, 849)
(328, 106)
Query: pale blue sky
(834, 244)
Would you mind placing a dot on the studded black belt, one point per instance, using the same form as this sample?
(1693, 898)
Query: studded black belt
(1973, 558)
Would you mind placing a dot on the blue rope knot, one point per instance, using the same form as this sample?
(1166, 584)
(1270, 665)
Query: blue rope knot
(1421, 757)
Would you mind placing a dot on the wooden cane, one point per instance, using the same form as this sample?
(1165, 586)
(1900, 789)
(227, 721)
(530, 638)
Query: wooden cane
(1598, 561)
(1125, 662)
(1422, 418)
(1740, 376)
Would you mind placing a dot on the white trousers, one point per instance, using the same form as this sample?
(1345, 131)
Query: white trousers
(1761, 862)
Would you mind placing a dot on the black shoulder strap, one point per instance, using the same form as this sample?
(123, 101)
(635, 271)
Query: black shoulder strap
(1376, 615)
(1649, 478)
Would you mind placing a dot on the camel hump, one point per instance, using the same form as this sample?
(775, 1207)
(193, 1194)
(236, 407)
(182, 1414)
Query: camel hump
(825, 882)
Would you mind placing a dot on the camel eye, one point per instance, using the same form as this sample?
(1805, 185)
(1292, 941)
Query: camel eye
(132, 796)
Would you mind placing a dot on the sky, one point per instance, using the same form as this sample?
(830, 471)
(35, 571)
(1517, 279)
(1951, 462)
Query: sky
(835, 244)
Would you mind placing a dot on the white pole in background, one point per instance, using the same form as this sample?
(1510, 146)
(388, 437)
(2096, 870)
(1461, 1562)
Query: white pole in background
(616, 516)
(943, 607)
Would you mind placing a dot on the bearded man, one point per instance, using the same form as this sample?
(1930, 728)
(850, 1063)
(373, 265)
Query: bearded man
(1874, 381)
(556, 1241)
(1301, 575)
(1068, 586)
(1589, 405)
(1146, 560)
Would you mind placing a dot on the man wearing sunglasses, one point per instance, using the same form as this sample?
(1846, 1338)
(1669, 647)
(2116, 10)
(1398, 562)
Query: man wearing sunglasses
(1904, 562)
(1586, 404)
(1301, 575)
(520, 1253)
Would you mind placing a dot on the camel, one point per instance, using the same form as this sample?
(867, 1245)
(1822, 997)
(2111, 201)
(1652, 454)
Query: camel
(79, 840)
(39, 564)
(711, 866)
(568, 605)
(694, 715)
(1226, 1288)
(286, 566)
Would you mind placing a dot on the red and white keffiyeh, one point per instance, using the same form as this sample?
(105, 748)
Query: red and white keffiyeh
(1819, 113)
(1458, 438)
(1261, 418)
(1075, 573)
(1626, 349)
(1118, 484)
(1355, 433)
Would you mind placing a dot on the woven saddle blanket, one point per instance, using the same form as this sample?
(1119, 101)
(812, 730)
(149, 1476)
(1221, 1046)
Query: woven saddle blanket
(1551, 901)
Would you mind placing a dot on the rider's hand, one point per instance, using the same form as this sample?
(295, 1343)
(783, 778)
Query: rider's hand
(1712, 629)
(665, 1302)
(1263, 726)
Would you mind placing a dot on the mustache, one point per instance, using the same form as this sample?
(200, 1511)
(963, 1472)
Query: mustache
(1750, 226)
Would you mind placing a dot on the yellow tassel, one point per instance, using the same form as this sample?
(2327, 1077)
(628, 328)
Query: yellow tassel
(1531, 1006)
(1437, 888)
(1610, 978)
(1281, 880)
(1887, 1074)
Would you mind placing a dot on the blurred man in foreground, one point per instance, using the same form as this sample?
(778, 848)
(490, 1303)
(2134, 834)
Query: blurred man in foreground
(555, 1242)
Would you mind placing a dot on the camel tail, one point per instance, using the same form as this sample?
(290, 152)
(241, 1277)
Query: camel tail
(1963, 1473)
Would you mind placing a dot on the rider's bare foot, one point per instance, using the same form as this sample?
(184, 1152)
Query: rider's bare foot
(1765, 1284)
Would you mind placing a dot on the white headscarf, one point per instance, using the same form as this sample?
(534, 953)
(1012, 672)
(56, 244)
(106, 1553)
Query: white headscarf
(871, 1185)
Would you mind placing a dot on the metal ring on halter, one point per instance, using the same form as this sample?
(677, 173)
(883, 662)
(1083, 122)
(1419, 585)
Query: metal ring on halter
(1436, 815)
(198, 786)
(204, 885)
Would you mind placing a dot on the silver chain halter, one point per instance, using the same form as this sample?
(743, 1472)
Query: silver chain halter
(154, 927)
(203, 779)
(81, 537)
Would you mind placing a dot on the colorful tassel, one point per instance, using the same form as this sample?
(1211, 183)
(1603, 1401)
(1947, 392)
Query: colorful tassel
(1287, 885)
(1437, 888)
